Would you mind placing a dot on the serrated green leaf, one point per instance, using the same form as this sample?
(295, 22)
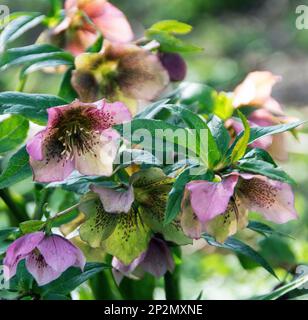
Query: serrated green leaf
(31, 106)
(17, 169)
(240, 146)
(172, 26)
(13, 132)
(18, 26)
(241, 248)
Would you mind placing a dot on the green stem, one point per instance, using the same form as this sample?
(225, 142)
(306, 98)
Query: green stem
(102, 286)
(172, 281)
(17, 213)
(39, 209)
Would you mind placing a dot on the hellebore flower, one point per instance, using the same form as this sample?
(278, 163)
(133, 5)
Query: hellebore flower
(47, 257)
(83, 18)
(256, 91)
(221, 207)
(78, 136)
(156, 260)
(122, 72)
(122, 222)
(174, 64)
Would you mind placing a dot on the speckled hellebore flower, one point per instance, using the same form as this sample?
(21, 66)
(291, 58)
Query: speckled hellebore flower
(122, 72)
(156, 260)
(78, 136)
(123, 221)
(47, 256)
(221, 208)
(83, 18)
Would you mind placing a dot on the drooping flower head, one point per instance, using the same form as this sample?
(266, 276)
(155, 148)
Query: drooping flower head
(83, 18)
(221, 207)
(123, 221)
(156, 260)
(78, 136)
(122, 72)
(47, 257)
(174, 64)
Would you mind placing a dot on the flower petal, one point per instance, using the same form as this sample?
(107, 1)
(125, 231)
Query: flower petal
(158, 259)
(19, 249)
(274, 199)
(151, 187)
(114, 113)
(110, 21)
(40, 270)
(98, 161)
(35, 146)
(99, 224)
(227, 224)
(60, 254)
(209, 199)
(115, 201)
(129, 239)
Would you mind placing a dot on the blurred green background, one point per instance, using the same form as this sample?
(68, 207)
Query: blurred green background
(237, 37)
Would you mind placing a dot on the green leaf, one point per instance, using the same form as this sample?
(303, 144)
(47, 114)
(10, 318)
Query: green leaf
(71, 279)
(259, 132)
(17, 27)
(223, 107)
(17, 169)
(150, 111)
(259, 154)
(5, 233)
(264, 229)
(172, 26)
(297, 283)
(176, 194)
(241, 248)
(31, 226)
(31, 106)
(34, 54)
(264, 168)
(169, 43)
(207, 149)
(13, 132)
(220, 134)
(97, 45)
(67, 91)
(240, 146)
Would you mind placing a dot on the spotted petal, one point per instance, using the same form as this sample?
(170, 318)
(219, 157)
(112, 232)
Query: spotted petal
(129, 239)
(273, 199)
(99, 224)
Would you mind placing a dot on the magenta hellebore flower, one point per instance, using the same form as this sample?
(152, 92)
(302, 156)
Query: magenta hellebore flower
(174, 64)
(231, 198)
(157, 260)
(47, 257)
(80, 34)
(78, 136)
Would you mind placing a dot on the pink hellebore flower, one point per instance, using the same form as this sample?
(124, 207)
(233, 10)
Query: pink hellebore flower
(256, 91)
(157, 260)
(47, 257)
(230, 199)
(80, 34)
(78, 136)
